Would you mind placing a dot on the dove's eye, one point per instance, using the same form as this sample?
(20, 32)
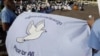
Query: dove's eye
(24, 40)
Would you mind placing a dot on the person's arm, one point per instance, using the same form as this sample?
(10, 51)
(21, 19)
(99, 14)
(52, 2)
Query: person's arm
(5, 20)
(5, 26)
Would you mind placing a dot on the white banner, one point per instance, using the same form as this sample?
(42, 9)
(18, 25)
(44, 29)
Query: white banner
(37, 34)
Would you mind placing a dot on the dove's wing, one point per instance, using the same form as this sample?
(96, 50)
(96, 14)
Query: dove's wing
(40, 25)
(31, 28)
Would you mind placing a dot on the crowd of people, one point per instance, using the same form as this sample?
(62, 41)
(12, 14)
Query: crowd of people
(47, 7)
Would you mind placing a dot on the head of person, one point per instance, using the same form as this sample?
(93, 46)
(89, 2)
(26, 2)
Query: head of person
(9, 4)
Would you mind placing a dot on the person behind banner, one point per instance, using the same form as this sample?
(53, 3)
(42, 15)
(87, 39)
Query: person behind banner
(7, 16)
(94, 38)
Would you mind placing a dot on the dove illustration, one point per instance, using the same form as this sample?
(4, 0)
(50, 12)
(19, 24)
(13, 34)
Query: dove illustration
(33, 31)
